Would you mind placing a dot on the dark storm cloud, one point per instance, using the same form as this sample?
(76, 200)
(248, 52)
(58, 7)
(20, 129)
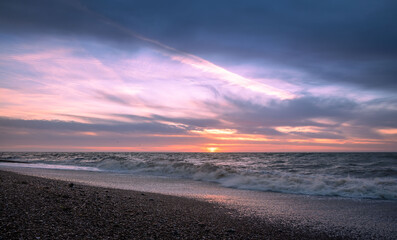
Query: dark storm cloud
(352, 42)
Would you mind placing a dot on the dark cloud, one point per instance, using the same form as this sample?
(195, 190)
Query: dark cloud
(257, 129)
(326, 135)
(337, 41)
(118, 127)
(351, 42)
(385, 118)
(134, 117)
(43, 135)
(342, 42)
(295, 112)
(61, 18)
(51, 140)
(348, 118)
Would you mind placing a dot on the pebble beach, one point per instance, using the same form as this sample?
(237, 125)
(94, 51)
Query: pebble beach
(38, 208)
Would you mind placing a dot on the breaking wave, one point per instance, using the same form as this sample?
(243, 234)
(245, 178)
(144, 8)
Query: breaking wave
(347, 175)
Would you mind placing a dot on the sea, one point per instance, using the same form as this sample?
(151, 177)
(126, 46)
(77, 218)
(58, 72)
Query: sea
(347, 175)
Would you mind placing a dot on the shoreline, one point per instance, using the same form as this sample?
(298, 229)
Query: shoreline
(38, 208)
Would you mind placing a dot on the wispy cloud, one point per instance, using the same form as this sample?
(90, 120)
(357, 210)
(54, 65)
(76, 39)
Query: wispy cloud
(108, 77)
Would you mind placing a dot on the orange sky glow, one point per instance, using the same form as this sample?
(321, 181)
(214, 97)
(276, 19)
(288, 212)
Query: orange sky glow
(104, 85)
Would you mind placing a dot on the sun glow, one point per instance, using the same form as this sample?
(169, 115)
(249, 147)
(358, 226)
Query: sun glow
(212, 149)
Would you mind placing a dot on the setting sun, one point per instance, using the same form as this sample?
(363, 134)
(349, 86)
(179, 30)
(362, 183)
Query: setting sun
(212, 149)
(145, 89)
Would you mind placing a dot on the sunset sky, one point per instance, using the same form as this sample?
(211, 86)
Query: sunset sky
(246, 76)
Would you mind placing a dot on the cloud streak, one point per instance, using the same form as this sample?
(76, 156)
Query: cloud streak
(176, 76)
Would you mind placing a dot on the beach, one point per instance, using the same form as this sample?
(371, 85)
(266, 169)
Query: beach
(39, 208)
(198, 195)
(152, 119)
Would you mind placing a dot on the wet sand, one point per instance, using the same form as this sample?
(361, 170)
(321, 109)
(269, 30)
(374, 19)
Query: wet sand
(32, 208)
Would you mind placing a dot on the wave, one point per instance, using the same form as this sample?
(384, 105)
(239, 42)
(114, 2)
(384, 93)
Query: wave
(285, 182)
(250, 173)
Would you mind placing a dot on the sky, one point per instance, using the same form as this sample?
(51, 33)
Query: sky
(198, 76)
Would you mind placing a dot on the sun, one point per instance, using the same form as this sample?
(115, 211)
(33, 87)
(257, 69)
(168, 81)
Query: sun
(212, 149)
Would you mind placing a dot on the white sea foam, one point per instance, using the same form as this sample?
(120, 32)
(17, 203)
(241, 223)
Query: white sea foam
(355, 176)
(50, 166)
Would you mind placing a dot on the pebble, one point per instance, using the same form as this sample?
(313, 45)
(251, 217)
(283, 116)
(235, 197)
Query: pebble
(87, 217)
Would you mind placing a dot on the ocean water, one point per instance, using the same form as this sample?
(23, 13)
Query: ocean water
(352, 175)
